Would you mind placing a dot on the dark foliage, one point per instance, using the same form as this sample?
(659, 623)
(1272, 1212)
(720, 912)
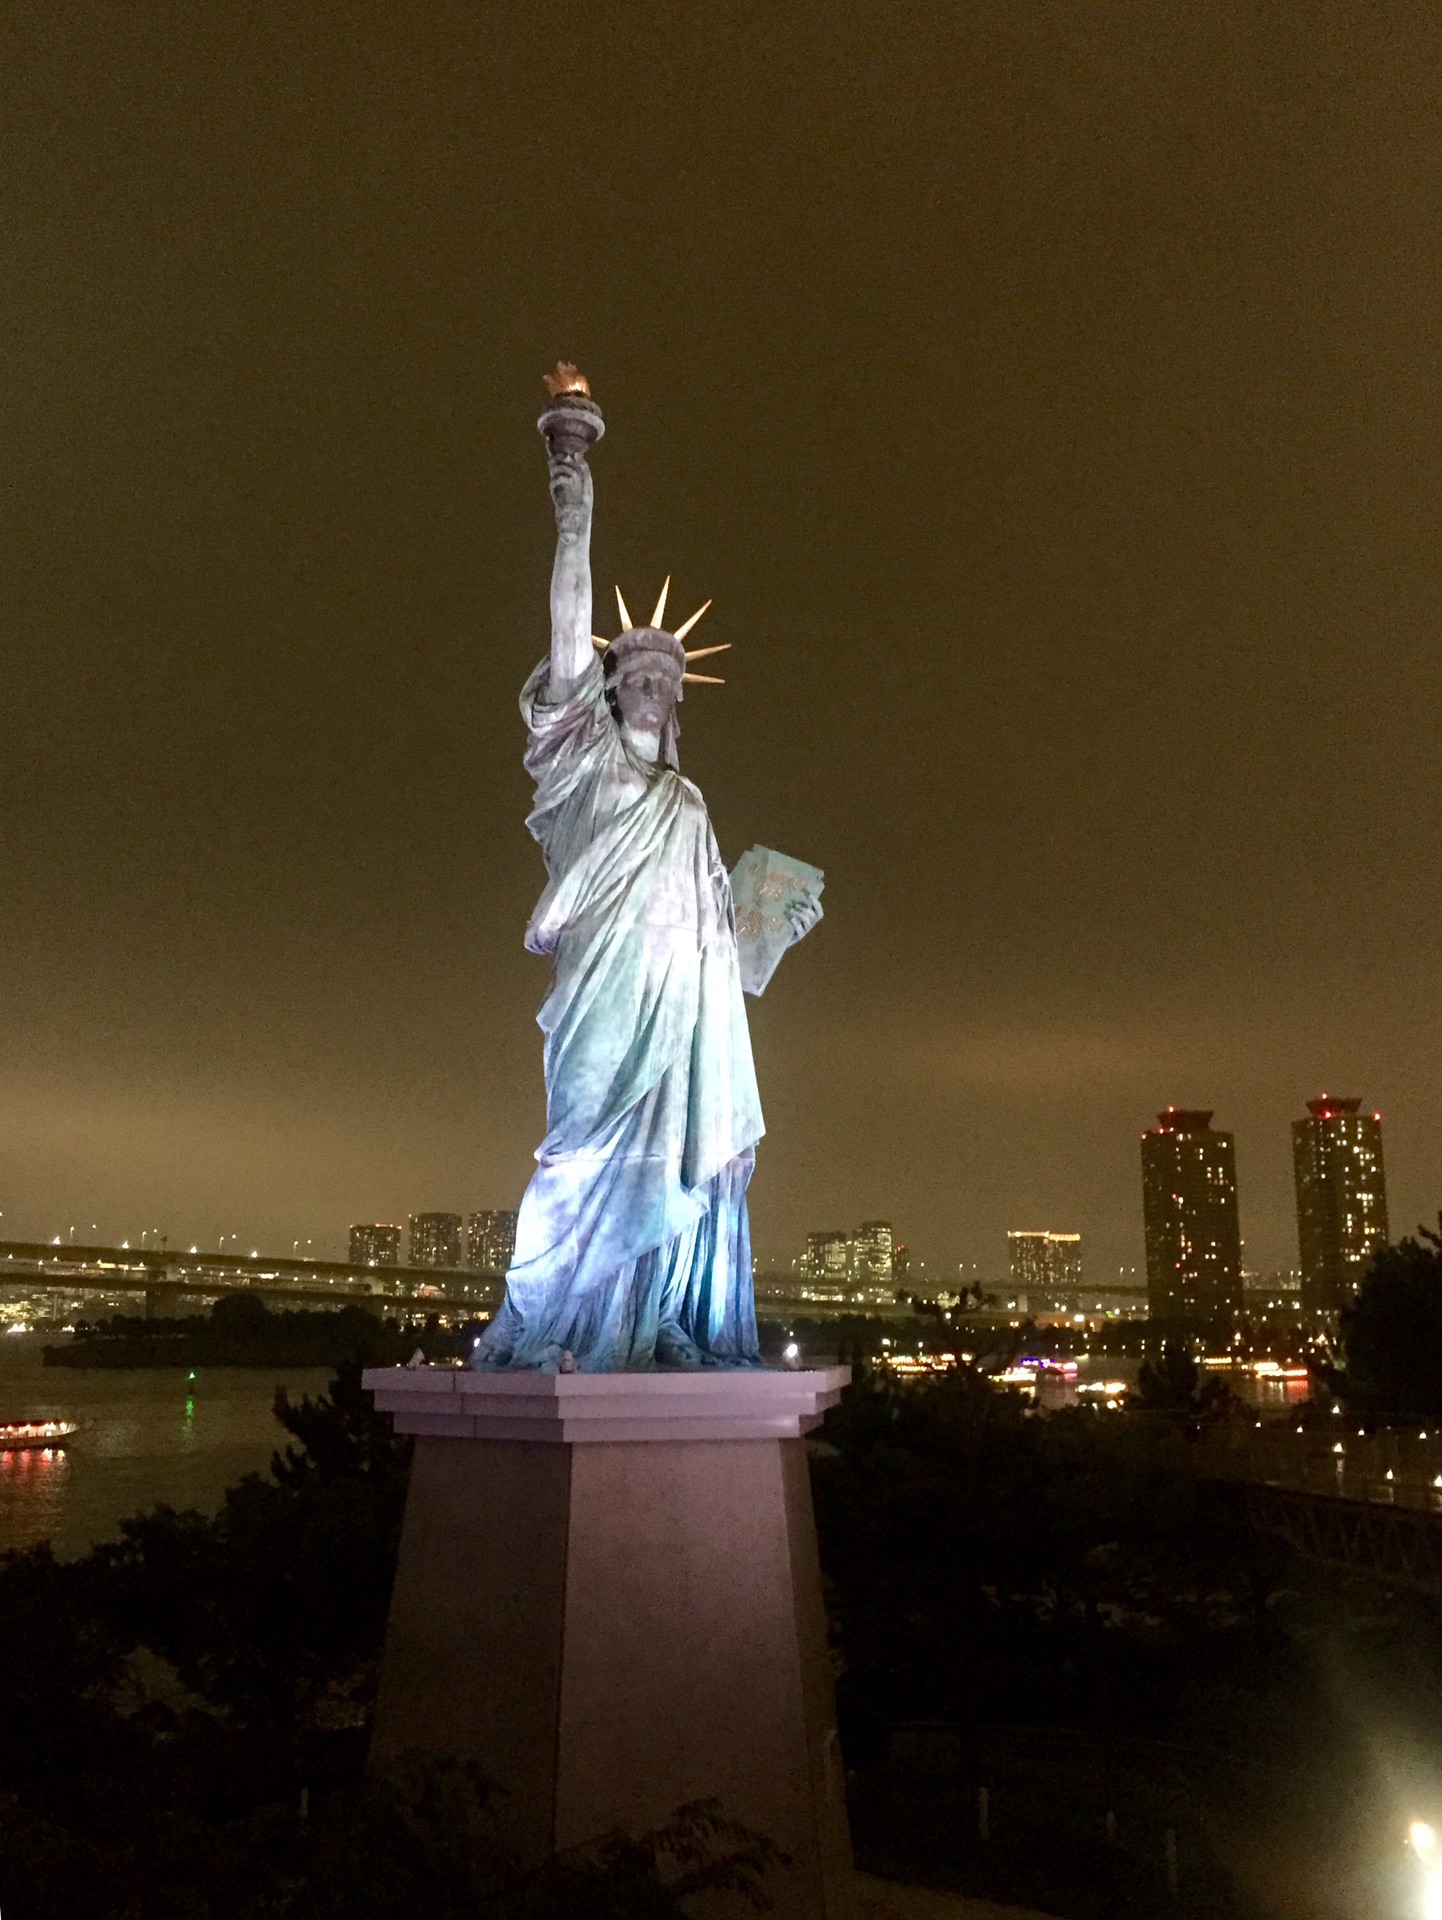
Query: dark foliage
(1176, 1385)
(1391, 1335)
(276, 1607)
(986, 1562)
(241, 1331)
(261, 1631)
(418, 1841)
(1059, 1609)
(340, 1437)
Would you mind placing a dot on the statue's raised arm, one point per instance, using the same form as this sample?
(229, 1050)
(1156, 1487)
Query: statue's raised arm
(572, 425)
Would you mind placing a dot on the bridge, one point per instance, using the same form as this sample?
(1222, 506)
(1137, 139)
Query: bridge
(164, 1278)
(1369, 1502)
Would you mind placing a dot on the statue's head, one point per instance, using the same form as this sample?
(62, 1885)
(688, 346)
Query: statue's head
(645, 669)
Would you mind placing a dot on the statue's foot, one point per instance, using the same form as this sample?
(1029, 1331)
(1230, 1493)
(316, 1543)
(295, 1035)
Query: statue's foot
(677, 1349)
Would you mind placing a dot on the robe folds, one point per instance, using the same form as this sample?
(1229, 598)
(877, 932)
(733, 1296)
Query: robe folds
(634, 1222)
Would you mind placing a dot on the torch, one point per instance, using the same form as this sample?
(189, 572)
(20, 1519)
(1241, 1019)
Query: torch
(572, 424)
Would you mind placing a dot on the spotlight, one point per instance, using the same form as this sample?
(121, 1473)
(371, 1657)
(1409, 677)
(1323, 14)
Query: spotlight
(1424, 1845)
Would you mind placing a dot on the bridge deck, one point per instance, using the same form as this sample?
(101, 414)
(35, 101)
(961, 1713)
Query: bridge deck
(158, 1271)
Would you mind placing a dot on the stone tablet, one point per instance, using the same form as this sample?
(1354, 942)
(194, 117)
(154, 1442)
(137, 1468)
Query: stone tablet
(764, 887)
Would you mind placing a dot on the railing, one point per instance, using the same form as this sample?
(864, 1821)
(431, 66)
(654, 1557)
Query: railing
(1398, 1467)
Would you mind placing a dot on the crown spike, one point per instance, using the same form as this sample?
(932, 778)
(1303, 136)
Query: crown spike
(711, 679)
(687, 625)
(660, 614)
(627, 623)
(700, 653)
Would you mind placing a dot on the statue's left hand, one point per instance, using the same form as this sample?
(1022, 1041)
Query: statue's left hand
(802, 912)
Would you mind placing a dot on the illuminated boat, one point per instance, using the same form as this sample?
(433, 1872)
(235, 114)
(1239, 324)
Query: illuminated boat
(23, 1435)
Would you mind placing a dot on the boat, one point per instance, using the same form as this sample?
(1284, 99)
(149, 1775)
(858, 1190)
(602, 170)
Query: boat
(26, 1435)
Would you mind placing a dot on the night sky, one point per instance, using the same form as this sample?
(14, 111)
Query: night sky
(1047, 393)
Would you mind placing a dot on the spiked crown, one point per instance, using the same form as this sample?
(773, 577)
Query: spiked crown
(654, 638)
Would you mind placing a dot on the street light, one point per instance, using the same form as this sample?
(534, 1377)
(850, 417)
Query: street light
(1424, 1845)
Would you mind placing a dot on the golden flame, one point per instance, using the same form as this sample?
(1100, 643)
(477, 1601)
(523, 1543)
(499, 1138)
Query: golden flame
(566, 379)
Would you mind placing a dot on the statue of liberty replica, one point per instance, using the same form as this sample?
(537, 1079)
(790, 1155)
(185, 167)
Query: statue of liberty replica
(633, 1249)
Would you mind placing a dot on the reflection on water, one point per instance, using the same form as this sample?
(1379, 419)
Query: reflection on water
(1097, 1377)
(147, 1436)
(1268, 1393)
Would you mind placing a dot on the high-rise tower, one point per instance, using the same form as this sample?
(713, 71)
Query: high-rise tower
(435, 1240)
(1189, 1208)
(872, 1254)
(1341, 1199)
(491, 1239)
(375, 1246)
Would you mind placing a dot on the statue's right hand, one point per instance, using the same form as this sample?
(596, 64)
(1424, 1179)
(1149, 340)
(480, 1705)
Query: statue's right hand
(570, 491)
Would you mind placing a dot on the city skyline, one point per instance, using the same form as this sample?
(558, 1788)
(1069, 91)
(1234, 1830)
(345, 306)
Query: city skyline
(973, 1259)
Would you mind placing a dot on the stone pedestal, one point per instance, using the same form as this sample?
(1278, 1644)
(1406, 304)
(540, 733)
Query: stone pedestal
(609, 1597)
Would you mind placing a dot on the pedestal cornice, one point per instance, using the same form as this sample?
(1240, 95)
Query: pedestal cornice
(572, 1408)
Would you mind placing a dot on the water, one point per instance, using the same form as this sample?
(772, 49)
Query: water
(151, 1435)
(145, 1436)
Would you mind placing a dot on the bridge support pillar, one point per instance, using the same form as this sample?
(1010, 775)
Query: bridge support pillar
(162, 1300)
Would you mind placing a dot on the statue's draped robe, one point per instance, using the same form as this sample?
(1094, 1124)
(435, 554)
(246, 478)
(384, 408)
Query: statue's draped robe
(635, 1219)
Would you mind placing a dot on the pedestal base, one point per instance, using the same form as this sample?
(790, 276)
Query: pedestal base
(611, 1627)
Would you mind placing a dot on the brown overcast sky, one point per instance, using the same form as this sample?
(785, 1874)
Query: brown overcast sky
(1047, 393)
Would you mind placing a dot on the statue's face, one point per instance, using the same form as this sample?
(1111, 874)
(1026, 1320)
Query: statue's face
(644, 689)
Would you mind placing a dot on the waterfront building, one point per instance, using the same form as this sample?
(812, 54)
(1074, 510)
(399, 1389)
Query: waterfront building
(491, 1239)
(1341, 1199)
(1189, 1211)
(436, 1240)
(1043, 1264)
(375, 1246)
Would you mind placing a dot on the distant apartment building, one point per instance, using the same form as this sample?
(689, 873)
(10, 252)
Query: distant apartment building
(1189, 1212)
(828, 1256)
(436, 1240)
(873, 1254)
(1043, 1263)
(375, 1246)
(862, 1267)
(1341, 1199)
(491, 1239)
